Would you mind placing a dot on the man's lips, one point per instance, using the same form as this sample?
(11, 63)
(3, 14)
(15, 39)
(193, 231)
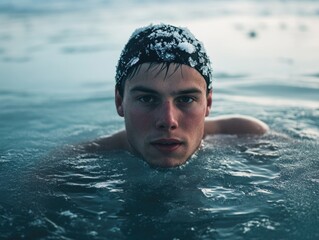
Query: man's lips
(167, 144)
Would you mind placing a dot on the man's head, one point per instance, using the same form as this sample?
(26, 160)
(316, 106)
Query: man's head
(162, 44)
(163, 91)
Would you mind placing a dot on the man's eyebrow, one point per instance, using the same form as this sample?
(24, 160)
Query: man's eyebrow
(180, 92)
(142, 89)
(189, 91)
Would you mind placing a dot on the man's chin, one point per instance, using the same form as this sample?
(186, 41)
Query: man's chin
(166, 163)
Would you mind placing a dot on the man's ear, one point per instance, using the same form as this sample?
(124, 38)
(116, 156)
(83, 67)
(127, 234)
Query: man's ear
(119, 103)
(209, 102)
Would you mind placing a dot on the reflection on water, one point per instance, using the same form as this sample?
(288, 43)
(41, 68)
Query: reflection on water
(57, 62)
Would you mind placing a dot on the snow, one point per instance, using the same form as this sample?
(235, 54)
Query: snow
(170, 44)
(187, 47)
(133, 61)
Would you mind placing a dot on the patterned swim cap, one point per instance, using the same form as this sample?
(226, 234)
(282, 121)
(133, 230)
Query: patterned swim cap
(163, 43)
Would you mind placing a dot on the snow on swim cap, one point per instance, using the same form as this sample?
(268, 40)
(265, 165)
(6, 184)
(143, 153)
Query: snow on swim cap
(163, 43)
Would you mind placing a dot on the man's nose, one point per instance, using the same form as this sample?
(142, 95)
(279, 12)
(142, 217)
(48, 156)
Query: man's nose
(167, 116)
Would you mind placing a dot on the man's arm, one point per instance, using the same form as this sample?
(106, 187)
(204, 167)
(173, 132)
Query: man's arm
(238, 125)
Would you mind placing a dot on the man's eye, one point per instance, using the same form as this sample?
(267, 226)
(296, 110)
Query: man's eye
(185, 99)
(147, 99)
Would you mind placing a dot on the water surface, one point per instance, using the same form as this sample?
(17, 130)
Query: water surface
(57, 67)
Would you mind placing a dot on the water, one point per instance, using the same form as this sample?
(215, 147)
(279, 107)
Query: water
(57, 62)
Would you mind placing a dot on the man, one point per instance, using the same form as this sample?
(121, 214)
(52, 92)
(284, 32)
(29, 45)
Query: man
(164, 92)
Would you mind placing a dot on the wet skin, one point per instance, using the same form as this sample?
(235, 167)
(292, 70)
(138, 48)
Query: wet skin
(164, 113)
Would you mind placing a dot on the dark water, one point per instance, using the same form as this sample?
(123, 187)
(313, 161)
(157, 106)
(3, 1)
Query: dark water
(236, 187)
(56, 74)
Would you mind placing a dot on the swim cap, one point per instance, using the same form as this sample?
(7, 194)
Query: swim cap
(163, 43)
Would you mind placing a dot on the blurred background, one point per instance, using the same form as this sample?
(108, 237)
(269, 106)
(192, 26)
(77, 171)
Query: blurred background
(63, 43)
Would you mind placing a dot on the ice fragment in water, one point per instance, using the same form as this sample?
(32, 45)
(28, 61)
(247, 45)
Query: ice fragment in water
(69, 214)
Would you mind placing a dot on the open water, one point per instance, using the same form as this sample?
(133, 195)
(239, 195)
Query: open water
(57, 67)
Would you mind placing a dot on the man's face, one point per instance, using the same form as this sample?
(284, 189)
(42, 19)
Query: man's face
(164, 113)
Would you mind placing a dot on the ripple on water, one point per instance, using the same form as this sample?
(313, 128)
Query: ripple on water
(232, 188)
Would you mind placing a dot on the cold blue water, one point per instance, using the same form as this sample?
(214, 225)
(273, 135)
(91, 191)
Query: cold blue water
(57, 67)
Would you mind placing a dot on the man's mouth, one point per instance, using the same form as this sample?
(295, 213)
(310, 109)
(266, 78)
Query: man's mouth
(167, 144)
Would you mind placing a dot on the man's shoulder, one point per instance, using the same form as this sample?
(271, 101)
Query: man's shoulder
(235, 124)
(116, 141)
